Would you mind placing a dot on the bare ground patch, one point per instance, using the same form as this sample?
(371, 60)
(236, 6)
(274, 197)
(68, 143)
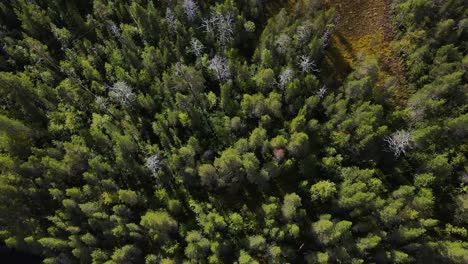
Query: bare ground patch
(364, 29)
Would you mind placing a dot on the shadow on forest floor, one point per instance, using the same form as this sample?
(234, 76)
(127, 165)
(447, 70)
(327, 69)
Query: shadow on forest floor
(11, 256)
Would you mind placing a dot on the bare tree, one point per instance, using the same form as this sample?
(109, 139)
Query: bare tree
(153, 163)
(399, 142)
(122, 93)
(285, 77)
(219, 65)
(114, 29)
(322, 91)
(207, 25)
(190, 9)
(222, 25)
(307, 65)
(196, 47)
(303, 33)
(326, 37)
(170, 18)
(282, 43)
(101, 102)
(417, 110)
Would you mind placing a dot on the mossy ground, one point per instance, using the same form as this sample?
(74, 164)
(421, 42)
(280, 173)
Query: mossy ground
(364, 29)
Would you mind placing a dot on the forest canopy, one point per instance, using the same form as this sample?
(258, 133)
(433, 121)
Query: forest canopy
(184, 131)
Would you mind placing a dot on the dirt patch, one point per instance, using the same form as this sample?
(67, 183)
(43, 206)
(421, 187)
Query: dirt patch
(357, 18)
(364, 29)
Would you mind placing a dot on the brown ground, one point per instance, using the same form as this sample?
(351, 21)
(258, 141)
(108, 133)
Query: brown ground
(359, 18)
(364, 29)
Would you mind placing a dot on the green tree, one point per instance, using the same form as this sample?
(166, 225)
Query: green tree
(298, 145)
(159, 225)
(323, 191)
(290, 204)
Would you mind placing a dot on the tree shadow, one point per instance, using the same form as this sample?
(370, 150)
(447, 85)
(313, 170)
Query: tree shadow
(335, 67)
(345, 43)
(11, 256)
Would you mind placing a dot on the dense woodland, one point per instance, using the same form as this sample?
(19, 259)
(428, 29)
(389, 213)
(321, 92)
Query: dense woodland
(182, 131)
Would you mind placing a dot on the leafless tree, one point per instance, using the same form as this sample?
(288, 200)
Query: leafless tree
(170, 18)
(153, 163)
(285, 77)
(307, 65)
(326, 37)
(122, 93)
(417, 110)
(196, 47)
(101, 102)
(303, 33)
(282, 43)
(207, 25)
(399, 142)
(190, 9)
(222, 25)
(114, 29)
(322, 91)
(219, 65)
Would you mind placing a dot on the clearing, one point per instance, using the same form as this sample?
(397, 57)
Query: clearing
(364, 29)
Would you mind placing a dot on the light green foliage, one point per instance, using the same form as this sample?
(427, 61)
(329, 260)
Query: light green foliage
(322, 191)
(455, 251)
(236, 223)
(251, 165)
(198, 246)
(265, 79)
(257, 138)
(249, 26)
(290, 204)
(159, 225)
(53, 243)
(208, 175)
(461, 213)
(359, 190)
(126, 254)
(298, 145)
(229, 166)
(329, 232)
(128, 197)
(214, 222)
(368, 243)
(253, 105)
(257, 243)
(279, 142)
(274, 252)
(245, 258)
(297, 124)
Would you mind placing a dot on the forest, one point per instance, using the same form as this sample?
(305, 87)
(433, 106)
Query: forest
(234, 131)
